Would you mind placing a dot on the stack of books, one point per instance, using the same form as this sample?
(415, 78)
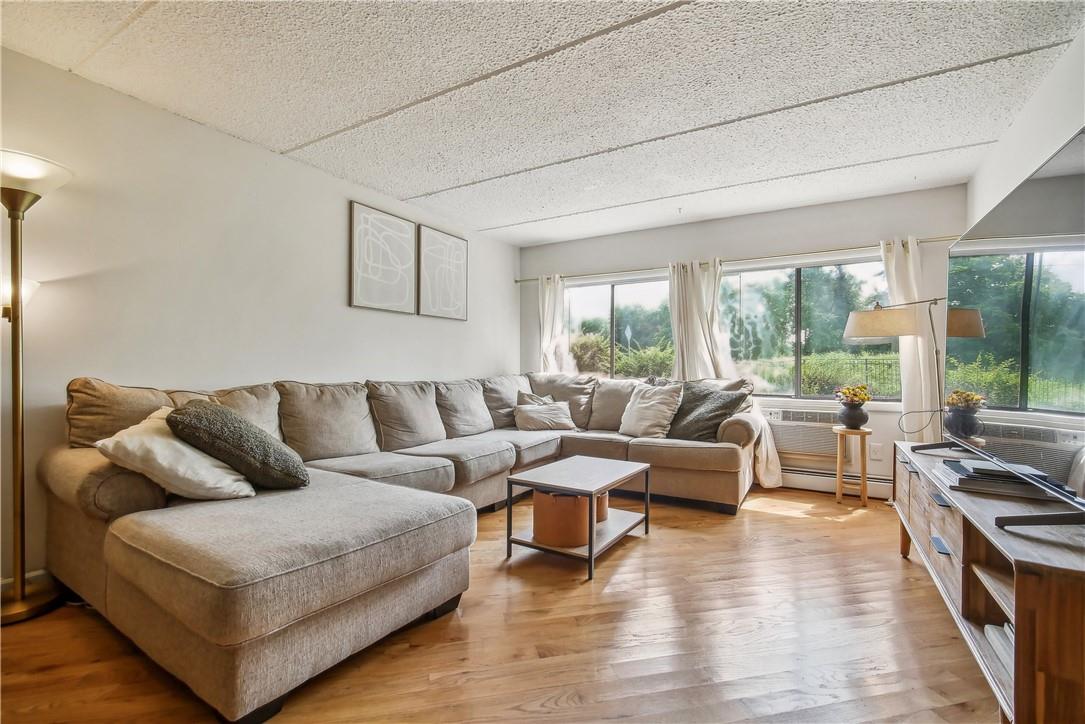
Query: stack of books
(980, 476)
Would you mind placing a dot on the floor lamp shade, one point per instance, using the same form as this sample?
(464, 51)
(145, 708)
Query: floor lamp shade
(880, 324)
(24, 179)
(964, 322)
(34, 174)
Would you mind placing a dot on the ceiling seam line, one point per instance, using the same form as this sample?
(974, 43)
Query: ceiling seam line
(742, 183)
(739, 119)
(491, 74)
(121, 27)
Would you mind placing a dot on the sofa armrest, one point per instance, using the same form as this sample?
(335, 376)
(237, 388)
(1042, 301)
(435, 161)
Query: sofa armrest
(740, 429)
(84, 478)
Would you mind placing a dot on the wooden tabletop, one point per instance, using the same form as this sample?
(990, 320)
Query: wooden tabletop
(841, 430)
(580, 474)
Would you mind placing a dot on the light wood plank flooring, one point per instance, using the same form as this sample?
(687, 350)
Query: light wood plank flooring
(798, 609)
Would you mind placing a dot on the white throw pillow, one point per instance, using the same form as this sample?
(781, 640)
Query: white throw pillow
(549, 416)
(650, 410)
(152, 449)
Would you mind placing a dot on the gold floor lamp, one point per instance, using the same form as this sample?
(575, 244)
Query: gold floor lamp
(24, 179)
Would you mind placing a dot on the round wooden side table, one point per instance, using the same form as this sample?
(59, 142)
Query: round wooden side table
(842, 435)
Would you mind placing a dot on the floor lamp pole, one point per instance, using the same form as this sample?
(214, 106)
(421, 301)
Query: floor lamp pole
(23, 602)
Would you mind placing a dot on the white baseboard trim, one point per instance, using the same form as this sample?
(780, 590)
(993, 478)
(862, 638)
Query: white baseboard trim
(879, 488)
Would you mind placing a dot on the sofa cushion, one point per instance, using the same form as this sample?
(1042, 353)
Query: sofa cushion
(704, 407)
(532, 446)
(462, 408)
(609, 403)
(500, 395)
(575, 389)
(650, 410)
(259, 404)
(595, 444)
(227, 436)
(326, 421)
(84, 478)
(234, 570)
(151, 448)
(545, 416)
(406, 414)
(410, 471)
(472, 458)
(686, 454)
(98, 409)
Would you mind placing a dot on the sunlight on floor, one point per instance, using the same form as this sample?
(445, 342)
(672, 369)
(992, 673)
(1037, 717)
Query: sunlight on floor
(802, 509)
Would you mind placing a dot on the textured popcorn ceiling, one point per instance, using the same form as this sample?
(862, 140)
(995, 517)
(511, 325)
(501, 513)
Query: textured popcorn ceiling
(543, 121)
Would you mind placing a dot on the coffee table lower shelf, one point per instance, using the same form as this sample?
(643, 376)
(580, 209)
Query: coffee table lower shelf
(607, 533)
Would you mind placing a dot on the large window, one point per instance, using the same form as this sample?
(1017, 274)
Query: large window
(633, 341)
(1033, 308)
(763, 310)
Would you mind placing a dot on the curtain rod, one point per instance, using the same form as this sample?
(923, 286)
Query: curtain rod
(759, 258)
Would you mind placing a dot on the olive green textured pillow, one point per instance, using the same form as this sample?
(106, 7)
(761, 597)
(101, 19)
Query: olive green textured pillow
(227, 436)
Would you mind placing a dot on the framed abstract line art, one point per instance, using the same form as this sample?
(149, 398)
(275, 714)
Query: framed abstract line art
(443, 275)
(383, 261)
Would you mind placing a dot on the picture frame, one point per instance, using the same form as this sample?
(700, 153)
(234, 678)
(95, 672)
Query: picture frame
(383, 261)
(443, 274)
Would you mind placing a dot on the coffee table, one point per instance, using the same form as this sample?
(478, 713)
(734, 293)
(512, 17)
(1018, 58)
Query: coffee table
(590, 477)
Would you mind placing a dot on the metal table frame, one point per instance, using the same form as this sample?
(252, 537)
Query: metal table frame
(594, 551)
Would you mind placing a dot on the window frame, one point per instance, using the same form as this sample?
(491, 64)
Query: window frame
(1025, 336)
(612, 281)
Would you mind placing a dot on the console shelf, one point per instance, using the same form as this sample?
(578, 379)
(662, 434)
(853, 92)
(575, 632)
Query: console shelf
(998, 584)
(1031, 578)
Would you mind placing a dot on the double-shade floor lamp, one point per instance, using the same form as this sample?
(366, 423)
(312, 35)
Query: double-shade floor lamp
(882, 323)
(24, 179)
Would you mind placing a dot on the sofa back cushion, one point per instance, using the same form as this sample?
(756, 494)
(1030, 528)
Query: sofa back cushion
(500, 394)
(609, 403)
(462, 408)
(577, 390)
(326, 421)
(259, 404)
(98, 409)
(406, 414)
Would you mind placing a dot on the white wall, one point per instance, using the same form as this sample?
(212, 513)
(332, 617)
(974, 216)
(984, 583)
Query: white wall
(182, 257)
(862, 222)
(1050, 118)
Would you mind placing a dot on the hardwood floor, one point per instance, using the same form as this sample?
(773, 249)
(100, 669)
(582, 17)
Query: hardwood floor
(798, 609)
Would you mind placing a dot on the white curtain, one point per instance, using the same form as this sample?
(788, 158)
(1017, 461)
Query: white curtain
(701, 349)
(553, 337)
(918, 372)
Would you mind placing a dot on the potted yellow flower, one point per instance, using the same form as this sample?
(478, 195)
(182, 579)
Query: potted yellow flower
(852, 397)
(962, 407)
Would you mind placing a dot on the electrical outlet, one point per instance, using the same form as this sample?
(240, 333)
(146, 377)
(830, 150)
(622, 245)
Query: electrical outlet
(773, 415)
(875, 450)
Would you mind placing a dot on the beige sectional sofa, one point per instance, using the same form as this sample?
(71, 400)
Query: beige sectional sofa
(246, 599)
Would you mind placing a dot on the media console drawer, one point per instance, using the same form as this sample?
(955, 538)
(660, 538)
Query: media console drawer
(946, 568)
(943, 519)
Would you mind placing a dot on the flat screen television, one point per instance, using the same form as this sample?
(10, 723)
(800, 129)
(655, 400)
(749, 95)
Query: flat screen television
(1023, 267)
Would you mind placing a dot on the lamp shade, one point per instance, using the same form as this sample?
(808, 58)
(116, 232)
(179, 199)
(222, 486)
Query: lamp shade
(26, 172)
(964, 322)
(880, 324)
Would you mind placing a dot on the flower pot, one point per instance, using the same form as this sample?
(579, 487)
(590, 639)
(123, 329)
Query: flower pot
(962, 422)
(852, 415)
